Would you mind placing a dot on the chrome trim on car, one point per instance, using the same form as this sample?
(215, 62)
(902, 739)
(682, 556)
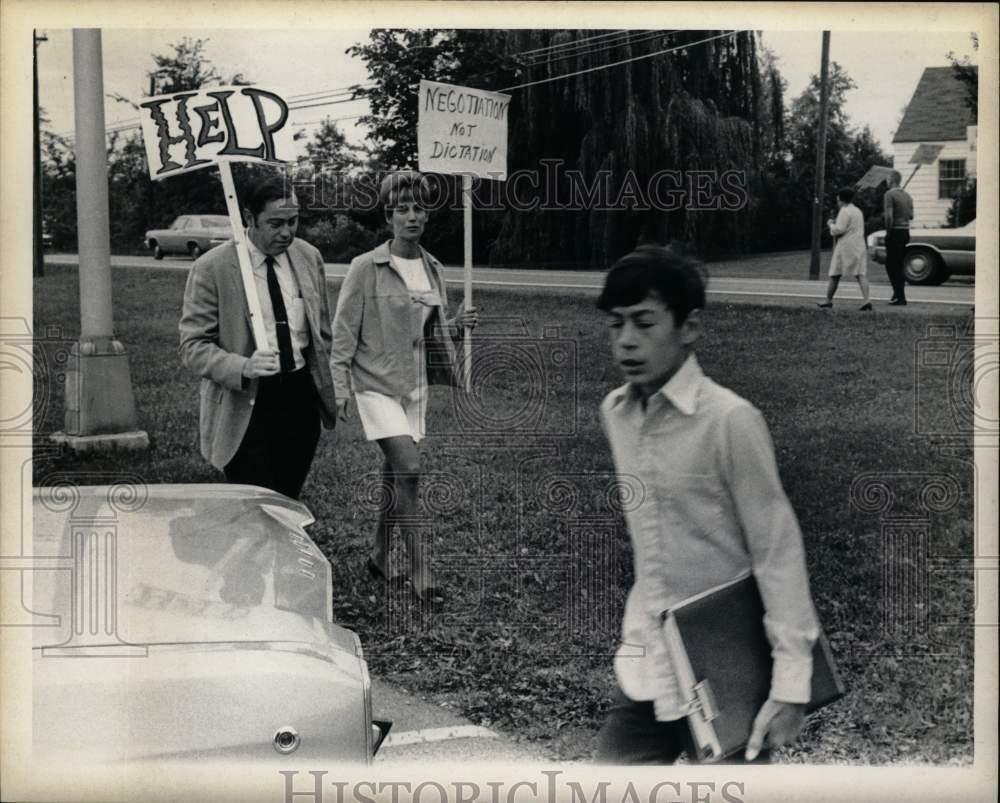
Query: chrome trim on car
(286, 740)
(366, 690)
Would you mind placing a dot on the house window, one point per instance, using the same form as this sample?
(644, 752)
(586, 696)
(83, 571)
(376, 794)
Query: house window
(951, 177)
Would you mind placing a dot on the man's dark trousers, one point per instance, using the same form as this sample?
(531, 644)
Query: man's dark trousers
(632, 735)
(895, 248)
(281, 439)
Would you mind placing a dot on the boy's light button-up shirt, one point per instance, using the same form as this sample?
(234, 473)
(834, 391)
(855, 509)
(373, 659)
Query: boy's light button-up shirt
(710, 506)
(295, 308)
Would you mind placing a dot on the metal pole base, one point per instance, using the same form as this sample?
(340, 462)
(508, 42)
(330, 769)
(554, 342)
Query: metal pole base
(100, 406)
(130, 441)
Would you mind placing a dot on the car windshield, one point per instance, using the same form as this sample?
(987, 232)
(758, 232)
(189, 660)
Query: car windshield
(179, 223)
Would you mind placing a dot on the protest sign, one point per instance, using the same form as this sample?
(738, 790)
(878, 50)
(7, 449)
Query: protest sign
(187, 131)
(463, 130)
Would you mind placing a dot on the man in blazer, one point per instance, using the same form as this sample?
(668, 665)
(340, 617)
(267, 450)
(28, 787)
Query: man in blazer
(261, 409)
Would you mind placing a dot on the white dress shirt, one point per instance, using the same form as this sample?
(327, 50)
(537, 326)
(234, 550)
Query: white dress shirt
(295, 308)
(712, 506)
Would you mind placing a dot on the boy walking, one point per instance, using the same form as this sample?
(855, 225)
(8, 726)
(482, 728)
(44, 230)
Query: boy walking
(713, 507)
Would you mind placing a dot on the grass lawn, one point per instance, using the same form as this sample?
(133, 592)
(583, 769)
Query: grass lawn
(527, 537)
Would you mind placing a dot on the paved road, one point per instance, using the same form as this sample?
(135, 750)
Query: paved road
(749, 290)
(422, 731)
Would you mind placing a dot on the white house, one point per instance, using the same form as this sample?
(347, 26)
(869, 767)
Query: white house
(936, 115)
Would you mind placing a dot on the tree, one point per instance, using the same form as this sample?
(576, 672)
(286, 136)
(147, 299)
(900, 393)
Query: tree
(59, 188)
(188, 68)
(963, 207)
(849, 154)
(968, 74)
(397, 59)
(694, 109)
(772, 107)
(139, 204)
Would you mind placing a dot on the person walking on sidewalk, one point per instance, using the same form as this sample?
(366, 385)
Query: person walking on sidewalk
(850, 256)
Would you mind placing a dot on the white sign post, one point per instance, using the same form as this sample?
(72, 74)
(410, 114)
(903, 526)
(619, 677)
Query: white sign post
(464, 131)
(188, 131)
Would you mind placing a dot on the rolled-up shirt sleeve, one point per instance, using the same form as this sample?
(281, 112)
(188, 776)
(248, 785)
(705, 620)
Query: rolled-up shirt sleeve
(774, 541)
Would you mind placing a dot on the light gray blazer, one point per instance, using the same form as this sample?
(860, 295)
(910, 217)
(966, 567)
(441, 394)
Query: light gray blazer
(216, 340)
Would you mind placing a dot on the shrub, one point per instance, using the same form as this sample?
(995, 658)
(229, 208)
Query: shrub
(963, 207)
(341, 238)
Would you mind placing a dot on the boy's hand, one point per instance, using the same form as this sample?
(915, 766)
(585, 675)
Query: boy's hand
(780, 723)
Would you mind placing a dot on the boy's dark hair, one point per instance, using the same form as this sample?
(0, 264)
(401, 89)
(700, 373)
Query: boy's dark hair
(678, 280)
(846, 195)
(402, 181)
(261, 191)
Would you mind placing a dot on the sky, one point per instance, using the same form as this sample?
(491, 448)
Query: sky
(885, 66)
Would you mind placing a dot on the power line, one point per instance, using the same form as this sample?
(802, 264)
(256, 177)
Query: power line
(617, 63)
(329, 92)
(586, 47)
(591, 51)
(575, 41)
(325, 103)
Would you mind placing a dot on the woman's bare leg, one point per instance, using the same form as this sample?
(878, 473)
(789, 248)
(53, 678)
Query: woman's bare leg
(865, 289)
(403, 461)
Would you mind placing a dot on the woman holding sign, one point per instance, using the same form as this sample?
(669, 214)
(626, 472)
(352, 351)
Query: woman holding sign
(391, 339)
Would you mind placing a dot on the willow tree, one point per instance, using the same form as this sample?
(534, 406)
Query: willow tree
(693, 109)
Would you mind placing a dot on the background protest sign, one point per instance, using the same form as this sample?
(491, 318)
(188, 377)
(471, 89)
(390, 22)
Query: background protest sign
(190, 130)
(463, 130)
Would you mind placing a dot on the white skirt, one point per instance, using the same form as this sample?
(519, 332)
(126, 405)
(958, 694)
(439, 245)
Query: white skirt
(391, 416)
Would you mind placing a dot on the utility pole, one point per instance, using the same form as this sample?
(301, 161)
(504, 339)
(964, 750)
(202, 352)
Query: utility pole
(38, 268)
(824, 103)
(100, 405)
(151, 198)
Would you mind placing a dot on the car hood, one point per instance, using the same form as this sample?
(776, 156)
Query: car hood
(178, 564)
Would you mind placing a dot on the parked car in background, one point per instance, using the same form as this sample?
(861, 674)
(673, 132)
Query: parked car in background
(933, 255)
(190, 622)
(189, 234)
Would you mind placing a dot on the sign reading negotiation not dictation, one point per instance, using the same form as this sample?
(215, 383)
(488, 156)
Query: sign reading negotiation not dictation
(462, 130)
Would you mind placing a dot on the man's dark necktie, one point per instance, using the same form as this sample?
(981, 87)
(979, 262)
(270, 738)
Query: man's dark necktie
(280, 319)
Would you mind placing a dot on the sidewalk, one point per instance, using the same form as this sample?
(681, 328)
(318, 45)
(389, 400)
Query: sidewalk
(423, 731)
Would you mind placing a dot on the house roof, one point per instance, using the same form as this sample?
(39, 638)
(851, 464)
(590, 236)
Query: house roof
(937, 111)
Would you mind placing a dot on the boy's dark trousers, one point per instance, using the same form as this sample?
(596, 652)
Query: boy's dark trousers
(895, 248)
(632, 735)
